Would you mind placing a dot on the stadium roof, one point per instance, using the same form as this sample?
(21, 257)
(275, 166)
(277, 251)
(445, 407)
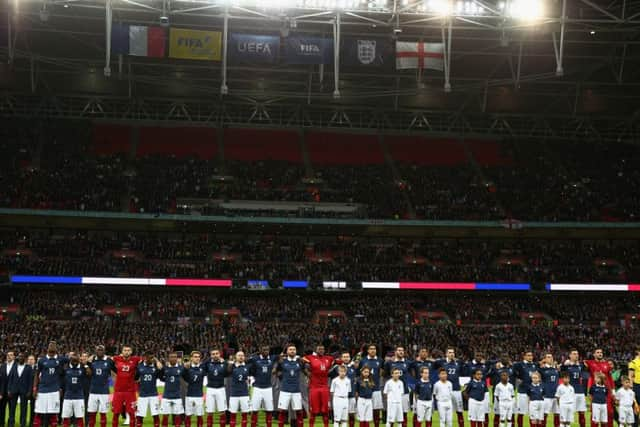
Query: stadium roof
(503, 66)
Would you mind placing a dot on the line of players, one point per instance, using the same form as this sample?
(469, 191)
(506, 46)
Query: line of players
(357, 388)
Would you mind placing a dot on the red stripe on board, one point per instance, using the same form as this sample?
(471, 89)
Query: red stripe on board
(199, 282)
(634, 287)
(416, 55)
(438, 286)
(156, 41)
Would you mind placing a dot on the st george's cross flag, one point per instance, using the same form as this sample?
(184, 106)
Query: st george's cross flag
(419, 55)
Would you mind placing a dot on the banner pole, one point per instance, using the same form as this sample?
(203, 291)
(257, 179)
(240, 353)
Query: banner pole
(336, 56)
(108, 20)
(224, 89)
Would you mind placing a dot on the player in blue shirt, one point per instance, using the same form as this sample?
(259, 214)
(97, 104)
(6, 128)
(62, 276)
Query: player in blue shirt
(262, 368)
(599, 396)
(171, 404)
(193, 375)
(422, 361)
(47, 386)
(364, 392)
(577, 371)
(239, 400)
(474, 392)
(101, 367)
(550, 380)
(289, 368)
(147, 374)
(216, 398)
(73, 402)
(523, 371)
(423, 394)
(404, 365)
(535, 394)
(375, 365)
(480, 363)
(454, 369)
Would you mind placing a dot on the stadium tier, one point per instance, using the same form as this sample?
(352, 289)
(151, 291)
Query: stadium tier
(311, 173)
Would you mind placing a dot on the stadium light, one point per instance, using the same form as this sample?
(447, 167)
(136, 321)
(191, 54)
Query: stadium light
(527, 10)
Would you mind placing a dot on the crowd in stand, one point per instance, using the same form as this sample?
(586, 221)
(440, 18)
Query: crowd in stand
(184, 319)
(274, 258)
(53, 166)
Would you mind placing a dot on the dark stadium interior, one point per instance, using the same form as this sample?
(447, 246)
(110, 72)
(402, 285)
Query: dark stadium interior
(442, 175)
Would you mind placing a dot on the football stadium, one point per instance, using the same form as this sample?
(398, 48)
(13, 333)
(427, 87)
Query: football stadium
(314, 213)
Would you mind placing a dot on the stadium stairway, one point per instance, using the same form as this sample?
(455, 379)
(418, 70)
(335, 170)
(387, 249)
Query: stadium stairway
(478, 169)
(396, 176)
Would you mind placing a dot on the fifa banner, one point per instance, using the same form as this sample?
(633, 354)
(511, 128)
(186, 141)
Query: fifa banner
(367, 52)
(253, 49)
(595, 287)
(308, 50)
(195, 44)
(447, 286)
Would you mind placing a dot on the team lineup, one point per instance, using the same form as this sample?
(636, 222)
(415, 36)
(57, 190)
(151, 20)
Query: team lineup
(367, 388)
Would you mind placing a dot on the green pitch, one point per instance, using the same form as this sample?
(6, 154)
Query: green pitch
(148, 422)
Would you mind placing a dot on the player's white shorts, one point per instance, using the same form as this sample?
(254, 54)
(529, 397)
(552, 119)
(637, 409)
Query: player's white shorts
(73, 408)
(487, 403)
(457, 401)
(376, 400)
(424, 410)
(151, 403)
(551, 406)
(625, 415)
(445, 412)
(352, 405)
(238, 404)
(394, 412)
(536, 410)
(406, 403)
(567, 412)
(505, 410)
(599, 412)
(171, 407)
(98, 403)
(262, 398)
(522, 404)
(216, 400)
(476, 410)
(193, 406)
(285, 399)
(581, 403)
(48, 403)
(340, 407)
(365, 410)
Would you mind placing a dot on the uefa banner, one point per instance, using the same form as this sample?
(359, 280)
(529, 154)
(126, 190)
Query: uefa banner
(195, 44)
(253, 49)
(308, 50)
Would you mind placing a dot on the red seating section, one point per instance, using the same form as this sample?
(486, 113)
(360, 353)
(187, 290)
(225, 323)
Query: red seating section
(343, 149)
(488, 153)
(262, 144)
(109, 139)
(425, 151)
(181, 142)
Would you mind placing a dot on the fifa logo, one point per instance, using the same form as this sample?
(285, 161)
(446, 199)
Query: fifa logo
(309, 49)
(193, 43)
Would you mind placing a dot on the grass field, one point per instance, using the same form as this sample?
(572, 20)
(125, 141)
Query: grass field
(148, 422)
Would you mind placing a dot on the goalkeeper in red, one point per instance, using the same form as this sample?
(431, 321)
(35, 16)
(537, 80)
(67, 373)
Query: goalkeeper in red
(124, 395)
(318, 365)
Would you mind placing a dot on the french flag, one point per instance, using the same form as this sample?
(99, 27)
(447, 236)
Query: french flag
(138, 40)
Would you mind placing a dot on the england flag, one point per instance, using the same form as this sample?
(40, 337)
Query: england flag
(419, 55)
